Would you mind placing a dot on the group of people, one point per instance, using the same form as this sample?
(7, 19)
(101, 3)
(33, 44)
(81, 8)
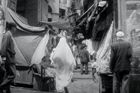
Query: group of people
(120, 62)
(84, 57)
(7, 62)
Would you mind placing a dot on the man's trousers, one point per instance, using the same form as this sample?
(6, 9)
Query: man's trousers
(86, 67)
(10, 75)
(120, 82)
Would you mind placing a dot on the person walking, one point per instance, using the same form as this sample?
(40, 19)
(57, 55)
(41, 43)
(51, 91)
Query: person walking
(84, 57)
(94, 65)
(8, 57)
(120, 63)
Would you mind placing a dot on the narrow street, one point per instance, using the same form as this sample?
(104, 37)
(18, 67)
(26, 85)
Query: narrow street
(81, 84)
(41, 40)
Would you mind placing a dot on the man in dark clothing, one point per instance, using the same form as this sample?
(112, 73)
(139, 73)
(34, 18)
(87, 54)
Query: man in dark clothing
(84, 56)
(120, 64)
(8, 58)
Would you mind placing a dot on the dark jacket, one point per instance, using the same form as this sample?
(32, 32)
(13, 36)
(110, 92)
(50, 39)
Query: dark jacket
(121, 53)
(84, 55)
(7, 49)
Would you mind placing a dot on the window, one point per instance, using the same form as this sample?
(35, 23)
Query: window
(62, 13)
(21, 7)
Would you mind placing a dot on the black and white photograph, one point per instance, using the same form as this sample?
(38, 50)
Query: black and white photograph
(69, 46)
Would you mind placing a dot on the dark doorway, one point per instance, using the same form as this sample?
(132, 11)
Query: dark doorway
(21, 7)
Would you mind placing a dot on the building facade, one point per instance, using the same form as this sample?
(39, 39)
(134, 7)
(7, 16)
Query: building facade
(32, 11)
(53, 11)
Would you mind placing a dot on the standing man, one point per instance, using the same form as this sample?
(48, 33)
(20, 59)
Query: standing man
(8, 57)
(84, 57)
(1, 35)
(120, 64)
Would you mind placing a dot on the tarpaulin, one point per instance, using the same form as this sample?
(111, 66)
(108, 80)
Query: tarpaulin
(14, 17)
(26, 45)
(103, 54)
(40, 50)
(29, 45)
(64, 60)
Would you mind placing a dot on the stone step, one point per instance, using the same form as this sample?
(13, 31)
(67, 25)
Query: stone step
(89, 64)
(79, 70)
(80, 78)
(80, 66)
(78, 75)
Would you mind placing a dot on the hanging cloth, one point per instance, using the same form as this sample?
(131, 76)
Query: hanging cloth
(40, 50)
(64, 61)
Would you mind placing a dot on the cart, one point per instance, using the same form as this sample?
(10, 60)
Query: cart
(105, 82)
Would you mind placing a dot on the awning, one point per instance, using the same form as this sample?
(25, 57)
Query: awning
(12, 16)
(61, 24)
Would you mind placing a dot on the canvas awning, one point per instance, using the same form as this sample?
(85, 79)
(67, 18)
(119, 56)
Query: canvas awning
(30, 41)
(12, 16)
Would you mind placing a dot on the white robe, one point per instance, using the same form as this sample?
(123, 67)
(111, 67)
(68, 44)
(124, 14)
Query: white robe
(64, 61)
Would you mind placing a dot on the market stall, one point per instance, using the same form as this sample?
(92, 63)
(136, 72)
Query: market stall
(97, 24)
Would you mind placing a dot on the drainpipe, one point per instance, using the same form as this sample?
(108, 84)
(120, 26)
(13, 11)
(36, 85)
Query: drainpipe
(122, 15)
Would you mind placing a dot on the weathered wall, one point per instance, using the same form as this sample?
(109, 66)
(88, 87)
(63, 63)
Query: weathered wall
(43, 7)
(31, 12)
(54, 4)
(36, 10)
(55, 9)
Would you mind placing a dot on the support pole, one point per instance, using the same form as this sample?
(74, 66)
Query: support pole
(122, 15)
